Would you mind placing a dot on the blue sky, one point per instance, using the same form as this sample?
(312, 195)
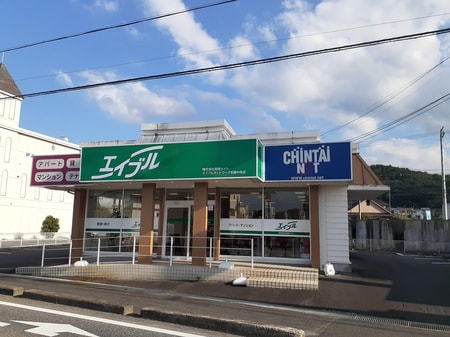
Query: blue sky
(344, 95)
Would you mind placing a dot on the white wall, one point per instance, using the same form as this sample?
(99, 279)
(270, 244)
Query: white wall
(333, 226)
(22, 207)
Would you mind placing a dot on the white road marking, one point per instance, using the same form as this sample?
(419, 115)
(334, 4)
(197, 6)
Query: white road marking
(52, 330)
(100, 320)
(3, 324)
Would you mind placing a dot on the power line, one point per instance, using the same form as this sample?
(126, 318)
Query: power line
(399, 121)
(241, 64)
(251, 44)
(115, 26)
(385, 100)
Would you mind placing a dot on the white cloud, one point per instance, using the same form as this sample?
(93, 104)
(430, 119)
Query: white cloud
(406, 153)
(107, 5)
(321, 92)
(193, 40)
(134, 103)
(64, 79)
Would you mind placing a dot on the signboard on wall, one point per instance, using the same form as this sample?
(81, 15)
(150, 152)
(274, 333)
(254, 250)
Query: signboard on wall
(308, 162)
(276, 227)
(195, 160)
(55, 170)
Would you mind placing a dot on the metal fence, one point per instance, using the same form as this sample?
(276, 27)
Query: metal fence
(9, 240)
(116, 249)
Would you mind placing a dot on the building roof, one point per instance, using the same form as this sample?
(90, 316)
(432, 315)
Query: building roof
(365, 184)
(186, 131)
(7, 83)
(369, 207)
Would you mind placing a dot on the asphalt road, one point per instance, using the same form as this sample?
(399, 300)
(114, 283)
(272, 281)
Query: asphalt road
(385, 295)
(21, 317)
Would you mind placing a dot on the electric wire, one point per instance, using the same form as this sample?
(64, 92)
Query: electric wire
(245, 45)
(385, 100)
(399, 121)
(115, 26)
(240, 64)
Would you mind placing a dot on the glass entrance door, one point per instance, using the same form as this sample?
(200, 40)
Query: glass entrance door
(178, 230)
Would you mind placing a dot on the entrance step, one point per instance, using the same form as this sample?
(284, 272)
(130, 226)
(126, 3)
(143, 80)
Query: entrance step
(261, 282)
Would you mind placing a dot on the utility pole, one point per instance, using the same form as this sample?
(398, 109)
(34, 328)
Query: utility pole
(444, 188)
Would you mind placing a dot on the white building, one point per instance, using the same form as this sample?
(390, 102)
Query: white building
(22, 207)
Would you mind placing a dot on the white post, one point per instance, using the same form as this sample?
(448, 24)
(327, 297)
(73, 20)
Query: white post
(134, 249)
(252, 252)
(70, 252)
(210, 251)
(171, 250)
(43, 255)
(98, 252)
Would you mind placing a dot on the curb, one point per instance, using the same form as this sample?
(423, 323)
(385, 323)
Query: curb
(11, 291)
(210, 323)
(205, 322)
(86, 303)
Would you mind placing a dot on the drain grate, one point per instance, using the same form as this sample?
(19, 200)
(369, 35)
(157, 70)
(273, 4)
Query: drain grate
(398, 322)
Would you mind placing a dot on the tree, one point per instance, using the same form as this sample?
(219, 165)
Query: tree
(50, 225)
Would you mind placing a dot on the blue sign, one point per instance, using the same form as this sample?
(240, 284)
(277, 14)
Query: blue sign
(308, 162)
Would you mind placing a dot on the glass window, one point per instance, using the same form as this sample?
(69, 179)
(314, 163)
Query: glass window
(240, 245)
(286, 204)
(132, 204)
(241, 204)
(104, 204)
(286, 246)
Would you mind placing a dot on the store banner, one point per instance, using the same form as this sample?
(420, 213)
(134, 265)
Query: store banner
(112, 224)
(195, 160)
(275, 227)
(308, 162)
(54, 170)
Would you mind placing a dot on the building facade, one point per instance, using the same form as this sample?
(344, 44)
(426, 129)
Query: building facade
(185, 190)
(24, 207)
(197, 190)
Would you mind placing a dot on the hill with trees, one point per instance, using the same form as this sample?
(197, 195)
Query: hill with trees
(411, 189)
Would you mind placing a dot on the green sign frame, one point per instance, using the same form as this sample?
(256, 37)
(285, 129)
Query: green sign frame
(223, 159)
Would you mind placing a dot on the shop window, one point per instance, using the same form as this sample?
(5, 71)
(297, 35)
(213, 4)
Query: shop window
(132, 204)
(286, 204)
(105, 204)
(241, 204)
(285, 246)
(113, 220)
(240, 245)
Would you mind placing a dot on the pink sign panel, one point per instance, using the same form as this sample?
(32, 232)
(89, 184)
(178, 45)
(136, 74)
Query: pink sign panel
(56, 170)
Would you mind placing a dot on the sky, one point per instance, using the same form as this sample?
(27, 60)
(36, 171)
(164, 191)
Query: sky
(390, 99)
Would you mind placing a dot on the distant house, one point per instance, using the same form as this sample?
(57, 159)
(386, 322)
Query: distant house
(369, 208)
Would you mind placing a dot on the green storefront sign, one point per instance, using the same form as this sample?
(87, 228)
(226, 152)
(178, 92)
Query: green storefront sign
(195, 160)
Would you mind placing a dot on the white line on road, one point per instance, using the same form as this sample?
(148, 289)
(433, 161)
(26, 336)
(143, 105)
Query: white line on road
(101, 320)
